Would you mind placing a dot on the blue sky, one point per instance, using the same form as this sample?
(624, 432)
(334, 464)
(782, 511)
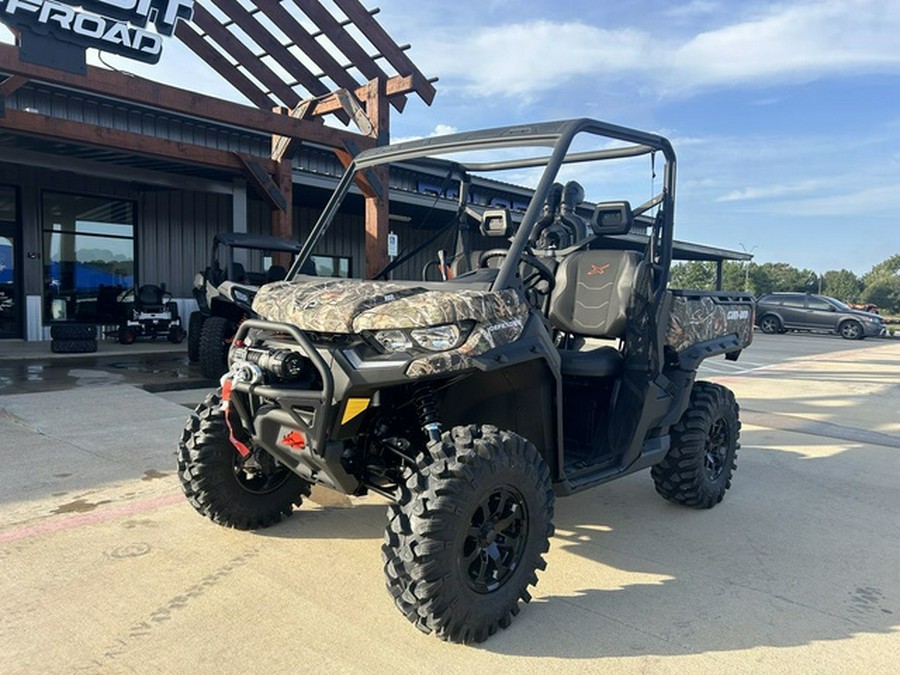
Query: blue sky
(785, 115)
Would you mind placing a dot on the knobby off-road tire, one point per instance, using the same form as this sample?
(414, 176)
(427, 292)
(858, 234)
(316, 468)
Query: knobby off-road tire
(697, 470)
(73, 346)
(468, 533)
(73, 331)
(195, 327)
(214, 336)
(209, 468)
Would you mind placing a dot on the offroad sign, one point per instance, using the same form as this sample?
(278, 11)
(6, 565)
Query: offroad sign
(56, 34)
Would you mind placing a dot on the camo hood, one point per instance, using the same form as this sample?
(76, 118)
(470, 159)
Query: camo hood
(351, 306)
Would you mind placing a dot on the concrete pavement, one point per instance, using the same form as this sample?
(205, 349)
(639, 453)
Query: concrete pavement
(105, 568)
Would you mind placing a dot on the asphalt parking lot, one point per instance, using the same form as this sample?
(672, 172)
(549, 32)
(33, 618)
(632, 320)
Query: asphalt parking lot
(105, 568)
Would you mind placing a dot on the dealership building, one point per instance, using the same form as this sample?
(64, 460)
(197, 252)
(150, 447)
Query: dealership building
(108, 180)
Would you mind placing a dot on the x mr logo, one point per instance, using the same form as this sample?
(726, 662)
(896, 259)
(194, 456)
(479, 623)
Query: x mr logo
(597, 269)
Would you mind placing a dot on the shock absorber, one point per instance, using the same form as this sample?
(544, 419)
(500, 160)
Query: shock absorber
(426, 408)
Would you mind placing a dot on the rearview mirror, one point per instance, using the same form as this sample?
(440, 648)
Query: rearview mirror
(612, 218)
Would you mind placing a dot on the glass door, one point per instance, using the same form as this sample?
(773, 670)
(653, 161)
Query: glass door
(10, 297)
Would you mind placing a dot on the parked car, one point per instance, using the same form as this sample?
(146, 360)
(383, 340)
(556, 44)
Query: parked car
(780, 312)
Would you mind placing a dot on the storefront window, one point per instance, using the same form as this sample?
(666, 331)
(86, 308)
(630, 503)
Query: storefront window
(88, 256)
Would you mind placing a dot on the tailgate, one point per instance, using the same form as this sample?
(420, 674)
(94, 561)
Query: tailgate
(708, 323)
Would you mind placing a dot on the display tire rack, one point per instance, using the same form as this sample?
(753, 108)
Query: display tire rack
(73, 338)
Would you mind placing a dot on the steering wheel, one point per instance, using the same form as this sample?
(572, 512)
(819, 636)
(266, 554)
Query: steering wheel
(538, 284)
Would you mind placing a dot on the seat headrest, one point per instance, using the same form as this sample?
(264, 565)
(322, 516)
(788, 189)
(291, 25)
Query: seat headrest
(275, 273)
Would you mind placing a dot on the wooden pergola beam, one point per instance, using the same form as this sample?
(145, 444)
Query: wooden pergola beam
(115, 139)
(12, 84)
(383, 42)
(395, 86)
(242, 54)
(334, 31)
(164, 97)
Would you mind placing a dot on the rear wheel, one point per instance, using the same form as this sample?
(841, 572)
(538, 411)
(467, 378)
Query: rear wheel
(214, 340)
(851, 330)
(468, 533)
(770, 324)
(220, 484)
(698, 468)
(126, 336)
(175, 335)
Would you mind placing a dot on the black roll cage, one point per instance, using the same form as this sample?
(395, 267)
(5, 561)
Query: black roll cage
(557, 135)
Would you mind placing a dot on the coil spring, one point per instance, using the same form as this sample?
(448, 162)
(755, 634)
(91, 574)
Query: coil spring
(426, 406)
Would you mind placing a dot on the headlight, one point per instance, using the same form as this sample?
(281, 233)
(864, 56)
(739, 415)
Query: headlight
(394, 340)
(436, 338)
(242, 295)
(431, 339)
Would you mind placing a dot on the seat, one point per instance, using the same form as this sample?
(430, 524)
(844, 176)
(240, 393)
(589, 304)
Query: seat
(238, 273)
(491, 228)
(592, 293)
(150, 299)
(275, 273)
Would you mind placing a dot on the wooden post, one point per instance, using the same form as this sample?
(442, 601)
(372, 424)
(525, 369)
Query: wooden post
(283, 221)
(377, 204)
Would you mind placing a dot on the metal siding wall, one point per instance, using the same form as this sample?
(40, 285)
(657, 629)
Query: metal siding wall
(175, 234)
(138, 120)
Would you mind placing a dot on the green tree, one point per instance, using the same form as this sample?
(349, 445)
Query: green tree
(885, 269)
(782, 277)
(885, 293)
(734, 275)
(696, 275)
(842, 284)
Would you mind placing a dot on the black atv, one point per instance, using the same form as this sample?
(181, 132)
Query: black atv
(224, 292)
(470, 403)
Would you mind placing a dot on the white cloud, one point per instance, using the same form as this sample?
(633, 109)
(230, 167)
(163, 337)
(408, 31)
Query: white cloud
(439, 130)
(770, 191)
(780, 44)
(851, 205)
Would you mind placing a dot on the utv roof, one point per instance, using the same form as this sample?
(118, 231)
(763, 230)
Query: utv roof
(256, 241)
(542, 133)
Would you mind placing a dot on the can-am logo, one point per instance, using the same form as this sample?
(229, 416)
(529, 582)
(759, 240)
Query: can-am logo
(115, 26)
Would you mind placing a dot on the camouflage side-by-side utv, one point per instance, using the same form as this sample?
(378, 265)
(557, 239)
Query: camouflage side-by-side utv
(561, 362)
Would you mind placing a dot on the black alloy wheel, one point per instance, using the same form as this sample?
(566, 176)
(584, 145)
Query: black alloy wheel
(698, 468)
(493, 546)
(467, 535)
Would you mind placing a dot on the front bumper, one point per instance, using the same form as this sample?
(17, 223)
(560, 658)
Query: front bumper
(292, 423)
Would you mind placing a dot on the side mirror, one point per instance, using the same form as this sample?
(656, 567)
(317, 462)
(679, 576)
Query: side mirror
(612, 218)
(495, 223)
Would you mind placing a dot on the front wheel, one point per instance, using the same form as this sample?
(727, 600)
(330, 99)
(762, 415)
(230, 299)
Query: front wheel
(698, 467)
(214, 340)
(195, 327)
(468, 533)
(230, 490)
(851, 330)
